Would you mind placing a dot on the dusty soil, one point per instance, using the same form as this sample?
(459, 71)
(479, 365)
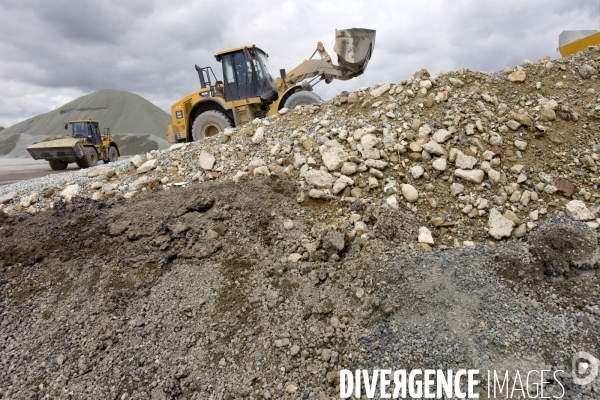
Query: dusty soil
(187, 293)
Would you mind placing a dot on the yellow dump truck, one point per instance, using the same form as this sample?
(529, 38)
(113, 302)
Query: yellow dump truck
(84, 145)
(249, 90)
(571, 42)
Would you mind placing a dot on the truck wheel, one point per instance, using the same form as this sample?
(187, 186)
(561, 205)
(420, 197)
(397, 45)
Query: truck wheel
(113, 155)
(302, 98)
(58, 164)
(89, 159)
(209, 123)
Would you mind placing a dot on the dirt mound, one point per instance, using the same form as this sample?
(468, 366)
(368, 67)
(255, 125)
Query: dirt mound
(126, 114)
(561, 243)
(192, 293)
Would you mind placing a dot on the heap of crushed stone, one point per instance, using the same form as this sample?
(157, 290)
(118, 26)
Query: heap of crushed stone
(137, 125)
(479, 156)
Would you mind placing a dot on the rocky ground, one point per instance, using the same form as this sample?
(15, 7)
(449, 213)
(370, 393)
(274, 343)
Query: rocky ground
(444, 222)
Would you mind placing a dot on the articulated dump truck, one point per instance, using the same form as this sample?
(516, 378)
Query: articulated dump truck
(249, 90)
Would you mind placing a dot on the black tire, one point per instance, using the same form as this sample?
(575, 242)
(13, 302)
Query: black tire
(302, 98)
(89, 159)
(113, 155)
(209, 123)
(58, 165)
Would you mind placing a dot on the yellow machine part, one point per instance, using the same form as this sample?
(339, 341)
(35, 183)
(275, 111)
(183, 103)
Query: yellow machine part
(579, 45)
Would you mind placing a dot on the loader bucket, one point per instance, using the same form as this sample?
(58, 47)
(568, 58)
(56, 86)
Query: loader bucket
(354, 48)
(67, 149)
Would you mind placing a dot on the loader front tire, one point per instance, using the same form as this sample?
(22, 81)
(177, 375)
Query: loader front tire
(302, 98)
(209, 123)
(89, 159)
(58, 165)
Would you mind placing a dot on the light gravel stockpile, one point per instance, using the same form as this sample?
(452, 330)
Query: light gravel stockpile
(441, 222)
(137, 125)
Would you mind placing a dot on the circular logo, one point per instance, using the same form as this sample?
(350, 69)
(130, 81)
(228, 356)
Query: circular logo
(584, 368)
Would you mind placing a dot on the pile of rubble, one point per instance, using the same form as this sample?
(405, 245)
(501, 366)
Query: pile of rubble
(479, 155)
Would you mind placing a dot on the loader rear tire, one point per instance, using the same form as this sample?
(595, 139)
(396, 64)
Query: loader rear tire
(209, 123)
(113, 155)
(58, 165)
(302, 98)
(89, 159)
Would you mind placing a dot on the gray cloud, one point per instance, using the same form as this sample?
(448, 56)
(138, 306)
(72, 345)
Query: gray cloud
(55, 51)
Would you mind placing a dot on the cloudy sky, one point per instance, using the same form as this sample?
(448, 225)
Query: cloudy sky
(52, 52)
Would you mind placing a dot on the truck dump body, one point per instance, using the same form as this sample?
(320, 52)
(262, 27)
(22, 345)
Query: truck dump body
(571, 42)
(66, 149)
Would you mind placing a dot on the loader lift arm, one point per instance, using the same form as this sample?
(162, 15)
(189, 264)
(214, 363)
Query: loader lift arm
(353, 47)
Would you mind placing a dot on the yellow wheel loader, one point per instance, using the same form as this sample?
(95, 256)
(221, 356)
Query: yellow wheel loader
(249, 90)
(84, 145)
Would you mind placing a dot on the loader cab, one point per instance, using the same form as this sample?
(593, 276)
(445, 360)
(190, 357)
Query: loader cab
(88, 130)
(246, 74)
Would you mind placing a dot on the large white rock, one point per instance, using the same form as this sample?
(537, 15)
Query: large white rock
(318, 178)
(410, 193)
(176, 146)
(465, 162)
(380, 90)
(417, 171)
(259, 135)
(333, 155)
(377, 164)
(499, 226)
(137, 160)
(8, 197)
(147, 166)
(441, 136)
(207, 161)
(341, 183)
(69, 192)
(495, 176)
(433, 147)
(368, 141)
(474, 175)
(349, 168)
(439, 164)
(425, 235)
(576, 209)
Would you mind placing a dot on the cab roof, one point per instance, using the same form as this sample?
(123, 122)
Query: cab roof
(83, 120)
(219, 54)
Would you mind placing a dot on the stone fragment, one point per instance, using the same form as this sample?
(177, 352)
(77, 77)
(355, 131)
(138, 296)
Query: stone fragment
(7, 197)
(564, 187)
(499, 226)
(410, 193)
(517, 76)
(259, 135)
(456, 189)
(433, 147)
(512, 124)
(475, 175)
(439, 164)
(206, 161)
(441, 136)
(333, 155)
(379, 90)
(69, 192)
(576, 209)
(520, 144)
(425, 236)
(417, 171)
(465, 162)
(147, 166)
(137, 160)
(318, 178)
(547, 114)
